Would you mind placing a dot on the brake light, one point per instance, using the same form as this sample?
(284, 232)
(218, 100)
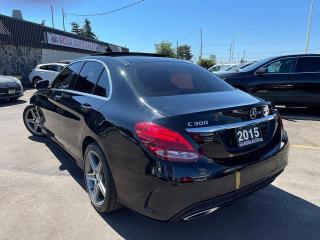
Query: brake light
(165, 143)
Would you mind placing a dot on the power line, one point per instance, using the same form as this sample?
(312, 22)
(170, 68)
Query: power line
(104, 13)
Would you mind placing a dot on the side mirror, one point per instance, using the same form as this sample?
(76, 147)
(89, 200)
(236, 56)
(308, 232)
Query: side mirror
(262, 70)
(43, 84)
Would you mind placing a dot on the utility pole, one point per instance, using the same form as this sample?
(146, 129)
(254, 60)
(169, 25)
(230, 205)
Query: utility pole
(52, 16)
(63, 16)
(200, 44)
(177, 45)
(244, 56)
(230, 52)
(309, 27)
(232, 59)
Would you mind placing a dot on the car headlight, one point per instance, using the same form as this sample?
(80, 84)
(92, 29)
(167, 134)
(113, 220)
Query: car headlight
(265, 110)
(18, 82)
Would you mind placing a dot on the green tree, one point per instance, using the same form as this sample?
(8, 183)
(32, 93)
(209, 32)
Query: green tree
(76, 28)
(184, 52)
(165, 48)
(206, 63)
(87, 29)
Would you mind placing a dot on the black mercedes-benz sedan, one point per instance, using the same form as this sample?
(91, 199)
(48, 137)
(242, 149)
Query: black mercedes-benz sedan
(10, 88)
(162, 136)
(292, 80)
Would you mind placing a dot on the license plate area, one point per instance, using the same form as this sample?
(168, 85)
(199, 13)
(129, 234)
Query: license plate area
(248, 135)
(11, 91)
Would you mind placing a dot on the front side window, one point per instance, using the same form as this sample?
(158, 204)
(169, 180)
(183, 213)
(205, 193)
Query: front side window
(168, 78)
(59, 68)
(215, 68)
(283, 66)
(88, 77)
(67, 78)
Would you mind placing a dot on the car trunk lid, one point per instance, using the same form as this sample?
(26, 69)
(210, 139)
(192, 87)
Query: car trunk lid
(212, 120)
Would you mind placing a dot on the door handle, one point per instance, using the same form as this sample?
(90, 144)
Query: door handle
(85, 107)
(57, 97)
(287, 86)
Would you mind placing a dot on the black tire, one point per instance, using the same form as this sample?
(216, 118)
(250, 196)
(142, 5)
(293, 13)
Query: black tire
(110, 199)
(35, 80)
(26, 112)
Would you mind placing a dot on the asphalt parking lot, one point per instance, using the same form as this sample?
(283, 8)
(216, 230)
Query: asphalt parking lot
(42, 196)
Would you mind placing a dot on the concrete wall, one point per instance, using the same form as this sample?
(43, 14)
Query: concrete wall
(18, 60)
(50, 55)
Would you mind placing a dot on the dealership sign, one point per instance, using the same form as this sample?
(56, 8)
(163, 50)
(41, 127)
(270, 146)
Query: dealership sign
(64, 41)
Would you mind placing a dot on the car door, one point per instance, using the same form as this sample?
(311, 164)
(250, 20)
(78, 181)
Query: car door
(307, 83)
(82, 103)
(51, 101)
(276, 82)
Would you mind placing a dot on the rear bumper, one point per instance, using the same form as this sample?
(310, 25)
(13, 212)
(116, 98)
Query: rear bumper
(223, 185)
(225, 199)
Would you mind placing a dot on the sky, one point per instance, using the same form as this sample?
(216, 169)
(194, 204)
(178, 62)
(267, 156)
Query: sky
(259, 29)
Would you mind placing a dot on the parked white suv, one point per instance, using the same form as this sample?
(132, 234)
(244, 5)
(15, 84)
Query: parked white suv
(221, 67)
(47, 71)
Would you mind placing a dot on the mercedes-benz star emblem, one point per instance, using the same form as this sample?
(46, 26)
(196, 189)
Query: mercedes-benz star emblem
(253, 113)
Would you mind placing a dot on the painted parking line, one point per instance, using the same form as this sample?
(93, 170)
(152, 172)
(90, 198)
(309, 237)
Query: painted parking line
(305, 146)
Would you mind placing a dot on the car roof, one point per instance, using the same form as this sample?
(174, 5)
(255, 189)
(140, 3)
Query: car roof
(134, 58)
(297, 55)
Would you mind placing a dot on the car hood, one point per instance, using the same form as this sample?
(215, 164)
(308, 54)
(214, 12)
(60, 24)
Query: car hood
(191, 103)
(7, 81)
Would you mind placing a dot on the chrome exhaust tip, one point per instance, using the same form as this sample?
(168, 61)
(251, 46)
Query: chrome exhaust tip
(200, 214)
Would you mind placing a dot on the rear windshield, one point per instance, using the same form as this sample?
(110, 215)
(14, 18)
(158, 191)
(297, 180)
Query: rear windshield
(169, 78)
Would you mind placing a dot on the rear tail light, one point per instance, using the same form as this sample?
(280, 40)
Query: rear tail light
(165, 144)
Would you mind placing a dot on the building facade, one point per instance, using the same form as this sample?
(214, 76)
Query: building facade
(25, 44)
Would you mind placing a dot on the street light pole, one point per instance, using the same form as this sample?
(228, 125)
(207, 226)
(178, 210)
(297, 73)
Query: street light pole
(52, 16)
(200, 44)
(63, 16)
(309, 27)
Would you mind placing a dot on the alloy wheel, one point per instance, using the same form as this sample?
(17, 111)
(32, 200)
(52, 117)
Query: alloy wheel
(33, 121)
(95, 179)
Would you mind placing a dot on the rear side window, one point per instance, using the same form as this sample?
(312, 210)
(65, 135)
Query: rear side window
(89, 76)
(67, 78)
(309, 64)
(50, 68)
(168, 78)
(102, 88)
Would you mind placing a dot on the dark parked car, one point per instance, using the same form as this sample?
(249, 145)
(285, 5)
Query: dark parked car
(10, 88)
(161, 136)
(287, 80)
